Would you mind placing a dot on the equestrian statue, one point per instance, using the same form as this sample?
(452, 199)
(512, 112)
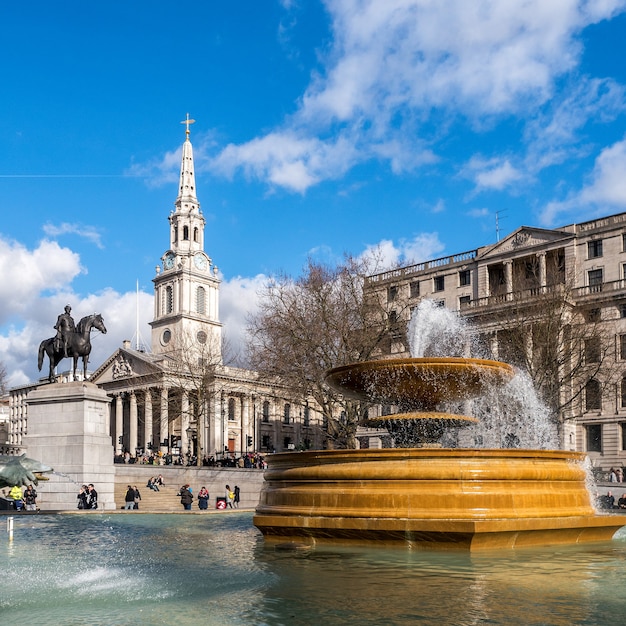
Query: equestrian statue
(71, 341)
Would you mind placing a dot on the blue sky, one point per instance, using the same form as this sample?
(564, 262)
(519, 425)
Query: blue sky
(322, 127)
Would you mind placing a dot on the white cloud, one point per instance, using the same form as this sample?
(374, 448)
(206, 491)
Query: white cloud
(28, 273)
(391, 64)
(239, 298)
(386, 254)
(497, 174)
(90, 233)
(606, 190)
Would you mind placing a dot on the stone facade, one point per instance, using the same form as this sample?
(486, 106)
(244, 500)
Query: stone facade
(485, 285)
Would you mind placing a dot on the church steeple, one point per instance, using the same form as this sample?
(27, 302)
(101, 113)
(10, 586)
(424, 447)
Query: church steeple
(186, 292)
(187, 222)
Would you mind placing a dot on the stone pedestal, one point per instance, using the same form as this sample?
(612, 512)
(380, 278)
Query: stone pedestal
(68, 429)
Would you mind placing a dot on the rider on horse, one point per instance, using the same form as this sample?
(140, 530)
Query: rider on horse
(65, 324)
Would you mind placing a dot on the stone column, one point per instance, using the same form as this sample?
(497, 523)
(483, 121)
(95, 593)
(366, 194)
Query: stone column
(119, 424)
(508, 278)
(245, 423)
(147, 433)
(543, 279)
(132, 436)
(164, 433)
(184, 423)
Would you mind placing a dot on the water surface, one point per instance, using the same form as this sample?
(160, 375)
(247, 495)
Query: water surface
(216, 569)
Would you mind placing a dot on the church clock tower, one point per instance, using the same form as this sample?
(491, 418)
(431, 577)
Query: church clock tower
(186, 286)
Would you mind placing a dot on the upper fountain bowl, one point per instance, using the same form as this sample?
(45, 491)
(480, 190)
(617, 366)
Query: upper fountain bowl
(418, 382)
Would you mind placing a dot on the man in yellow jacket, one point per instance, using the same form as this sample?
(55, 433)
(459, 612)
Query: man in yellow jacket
(16, 495)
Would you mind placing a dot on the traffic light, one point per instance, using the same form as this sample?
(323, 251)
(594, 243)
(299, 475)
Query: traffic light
(120, 439)
(249, 440)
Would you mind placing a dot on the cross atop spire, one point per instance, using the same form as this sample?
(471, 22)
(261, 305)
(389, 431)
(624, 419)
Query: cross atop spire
(188, 122)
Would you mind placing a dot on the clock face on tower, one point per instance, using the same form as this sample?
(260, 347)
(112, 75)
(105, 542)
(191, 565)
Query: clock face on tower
(200, 261)
(168, 261)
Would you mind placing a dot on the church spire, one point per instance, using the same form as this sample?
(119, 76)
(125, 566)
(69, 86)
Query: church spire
(187, 202)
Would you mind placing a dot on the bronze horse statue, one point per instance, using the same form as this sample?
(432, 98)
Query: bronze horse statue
(78, 345)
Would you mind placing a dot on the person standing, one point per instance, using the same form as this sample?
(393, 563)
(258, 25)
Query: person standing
(203, 499)
(129, 499)
(137, 498)
(92, 497)
(186, 498)
(230, 496)
(30, 498)
(237, 496)
(82, 496)
(16, 495)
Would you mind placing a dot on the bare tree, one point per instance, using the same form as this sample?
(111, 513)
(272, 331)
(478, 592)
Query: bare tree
(562, 343)
(3, 378)
(308, 325)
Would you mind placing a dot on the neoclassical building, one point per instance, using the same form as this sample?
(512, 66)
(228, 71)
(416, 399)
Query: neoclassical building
(503, 285)
(180, 398)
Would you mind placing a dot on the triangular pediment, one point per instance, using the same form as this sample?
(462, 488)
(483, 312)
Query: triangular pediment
(523, 238)
(127, 364)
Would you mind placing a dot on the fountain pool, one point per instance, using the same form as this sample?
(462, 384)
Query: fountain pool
(216, 569)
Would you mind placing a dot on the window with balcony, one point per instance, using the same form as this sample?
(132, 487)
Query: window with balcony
(595, 280)
(392, 293)
(593, 396)
(594, 249)
(594, 437)
(231, 409)
(307, 416)
(439, 283)
(266, 411)
(287, 414)
(465, 278)
(414, 289)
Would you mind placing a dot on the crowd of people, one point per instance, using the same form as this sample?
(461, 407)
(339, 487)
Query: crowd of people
(251, 460)
(230, 499)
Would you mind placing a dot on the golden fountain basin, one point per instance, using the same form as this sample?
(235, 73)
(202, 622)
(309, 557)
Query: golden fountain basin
(421, 382)
(431, 498)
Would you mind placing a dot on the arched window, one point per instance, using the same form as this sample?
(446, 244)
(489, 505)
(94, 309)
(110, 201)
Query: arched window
(169, 299)
(175, 234)
(201, 300)
(231, 409)
(287, 414)
(195, 234)
(266, 411)
(185, 233)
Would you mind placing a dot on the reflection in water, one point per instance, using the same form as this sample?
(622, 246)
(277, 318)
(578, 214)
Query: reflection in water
(216, 569)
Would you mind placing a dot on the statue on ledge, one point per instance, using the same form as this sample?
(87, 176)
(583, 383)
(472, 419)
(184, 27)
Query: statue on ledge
(71, 341)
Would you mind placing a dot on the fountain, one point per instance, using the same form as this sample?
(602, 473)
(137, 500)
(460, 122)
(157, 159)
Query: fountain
(421, 493)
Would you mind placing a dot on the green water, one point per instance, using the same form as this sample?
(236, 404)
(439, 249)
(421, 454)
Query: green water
(215, 569)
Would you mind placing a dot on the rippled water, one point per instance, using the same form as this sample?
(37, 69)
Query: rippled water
(216, 569)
